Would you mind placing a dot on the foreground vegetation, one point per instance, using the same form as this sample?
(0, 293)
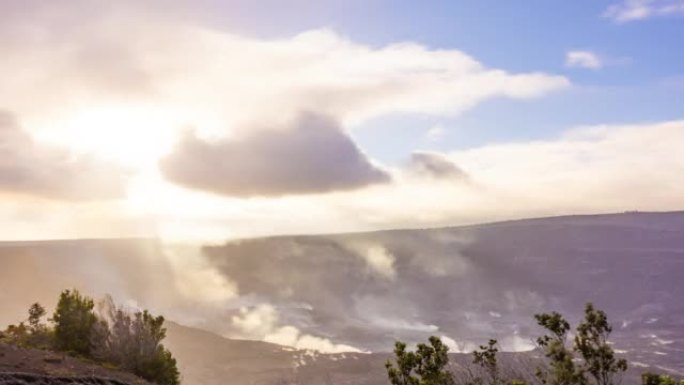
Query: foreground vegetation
(586, 359)
(132, 341)
(112, 336)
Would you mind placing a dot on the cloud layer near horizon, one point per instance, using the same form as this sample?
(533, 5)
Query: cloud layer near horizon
(585, 170)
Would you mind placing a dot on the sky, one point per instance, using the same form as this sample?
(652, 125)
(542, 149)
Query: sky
(210, 120)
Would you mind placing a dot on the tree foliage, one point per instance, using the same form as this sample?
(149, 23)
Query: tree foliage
(133, 342)
(649, 378)
(587, 359)
(591, 341)
(485, 357)
(561, 369)
(598, 364)
(34, 335)
(426, 366)
(36, 312)
(74, 319)
(16, 334)
(130, 341)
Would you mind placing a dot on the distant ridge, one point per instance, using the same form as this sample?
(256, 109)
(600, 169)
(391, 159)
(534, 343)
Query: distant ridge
(626, 215)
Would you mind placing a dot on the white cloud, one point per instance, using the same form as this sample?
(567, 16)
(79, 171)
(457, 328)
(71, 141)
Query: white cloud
(586, 170)
(436, 133)
(513, 343)
(381, 261)
(216, 81)
(257, 321)
(594, 169)
(583, 59)
(291, 336)
(633, 10)
(262, 322)
(123, 83)
(400, 324)
(458, 347)
(195, 279)
(33, 168)
(378, 259)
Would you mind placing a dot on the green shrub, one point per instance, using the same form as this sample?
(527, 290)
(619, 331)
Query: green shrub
(590, 360)
(114, 339)
(561, 369)
(133, 342)
(36, 312)
(591, 341)
(74, 319)
(426, 366)
(16, 334)
(160, 368)
(34, 335)
(650, 378)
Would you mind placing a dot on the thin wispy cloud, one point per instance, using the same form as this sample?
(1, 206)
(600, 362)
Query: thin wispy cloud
(435, 165)
(634, 10)
(436, 133)
(583, 59)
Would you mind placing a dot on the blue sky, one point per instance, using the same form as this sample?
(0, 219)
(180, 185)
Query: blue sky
(642, 79)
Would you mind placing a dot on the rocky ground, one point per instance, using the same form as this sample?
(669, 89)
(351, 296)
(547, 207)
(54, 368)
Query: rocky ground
(19, 366)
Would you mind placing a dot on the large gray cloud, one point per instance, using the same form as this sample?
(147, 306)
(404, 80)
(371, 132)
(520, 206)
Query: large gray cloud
(32, 168)
(314, 155)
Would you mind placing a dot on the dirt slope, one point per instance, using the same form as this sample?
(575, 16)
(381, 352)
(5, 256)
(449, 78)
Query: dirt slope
(20, 366)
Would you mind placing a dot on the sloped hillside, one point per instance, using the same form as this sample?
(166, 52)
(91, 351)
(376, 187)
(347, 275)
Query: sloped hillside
(366, 290)
(19, 366)
(475, 282)
(38, 379)
(208, 359)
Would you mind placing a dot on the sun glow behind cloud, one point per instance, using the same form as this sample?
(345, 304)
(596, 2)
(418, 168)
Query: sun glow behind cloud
(134, 135)
(128, 96)
(227, 108)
